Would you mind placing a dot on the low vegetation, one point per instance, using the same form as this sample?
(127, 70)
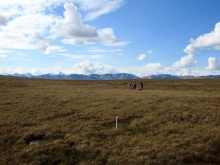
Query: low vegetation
(73, 122)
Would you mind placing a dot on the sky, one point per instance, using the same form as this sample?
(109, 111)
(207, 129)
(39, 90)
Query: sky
(144, 37)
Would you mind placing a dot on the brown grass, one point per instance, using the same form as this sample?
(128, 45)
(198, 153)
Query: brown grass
(166, 123)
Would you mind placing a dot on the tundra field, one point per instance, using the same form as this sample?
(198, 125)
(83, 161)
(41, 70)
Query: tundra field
(73, 122)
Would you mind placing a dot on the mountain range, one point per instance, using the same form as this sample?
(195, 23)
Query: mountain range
(61, 75)
(118, 76)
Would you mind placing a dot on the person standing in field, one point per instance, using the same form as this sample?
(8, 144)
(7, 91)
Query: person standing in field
(134, 85)
(130, 85)
(142, 87)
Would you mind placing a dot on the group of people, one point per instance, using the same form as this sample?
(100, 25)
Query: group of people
(132, 85)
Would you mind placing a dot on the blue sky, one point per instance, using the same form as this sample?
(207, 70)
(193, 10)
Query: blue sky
(141, 37)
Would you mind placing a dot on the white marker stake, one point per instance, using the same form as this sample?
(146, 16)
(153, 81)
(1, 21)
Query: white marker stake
(116, 122)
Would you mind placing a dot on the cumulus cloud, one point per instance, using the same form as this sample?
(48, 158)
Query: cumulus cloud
(37, 36)
(23, 30)
(183, 67)
(150, 51)
(190, 50)
(88, 67)
(213, 64)
(41, 45)
(141, 71)
(13, 40)
(3, 20)
(185, 62)
(208, 40)
(108, 38)
(73, 28)
(25, 71)
(31, 23)
(141, 57)
(149, 69)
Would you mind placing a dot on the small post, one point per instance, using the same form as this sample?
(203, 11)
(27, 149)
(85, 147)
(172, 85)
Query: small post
(116, 122)
(78, 90)
(198, 92)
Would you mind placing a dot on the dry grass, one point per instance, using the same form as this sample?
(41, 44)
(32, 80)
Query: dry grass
(166, 123)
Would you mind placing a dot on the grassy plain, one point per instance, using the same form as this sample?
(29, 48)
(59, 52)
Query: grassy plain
(169, 122)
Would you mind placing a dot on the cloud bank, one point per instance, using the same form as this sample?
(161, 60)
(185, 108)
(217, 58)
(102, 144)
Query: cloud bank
(33, 24)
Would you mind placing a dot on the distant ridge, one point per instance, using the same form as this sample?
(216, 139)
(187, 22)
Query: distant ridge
(208, 77)
(167, 76)
(118, 76)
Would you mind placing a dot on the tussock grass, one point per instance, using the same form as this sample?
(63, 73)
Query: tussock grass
(166, 123)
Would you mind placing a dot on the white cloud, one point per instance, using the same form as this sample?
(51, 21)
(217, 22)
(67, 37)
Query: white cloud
(13, 40)
(73, 28)
(51, 49)
(92, 8)
(141, 57)
(25, 71)
(41, 45)
(23, 30)
(190, 50)
(88, 67)
(3, 20)
(213, 64)
(185, 62)
(208, 40)
(37, 36)
(3, 56)
(141, 71)
(150, 51)
(33, 23)
(99, 7)
(204, 72)
(109, 39)
(149, 69)
(182, 67)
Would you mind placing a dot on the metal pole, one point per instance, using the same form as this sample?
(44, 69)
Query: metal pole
(116, 122)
